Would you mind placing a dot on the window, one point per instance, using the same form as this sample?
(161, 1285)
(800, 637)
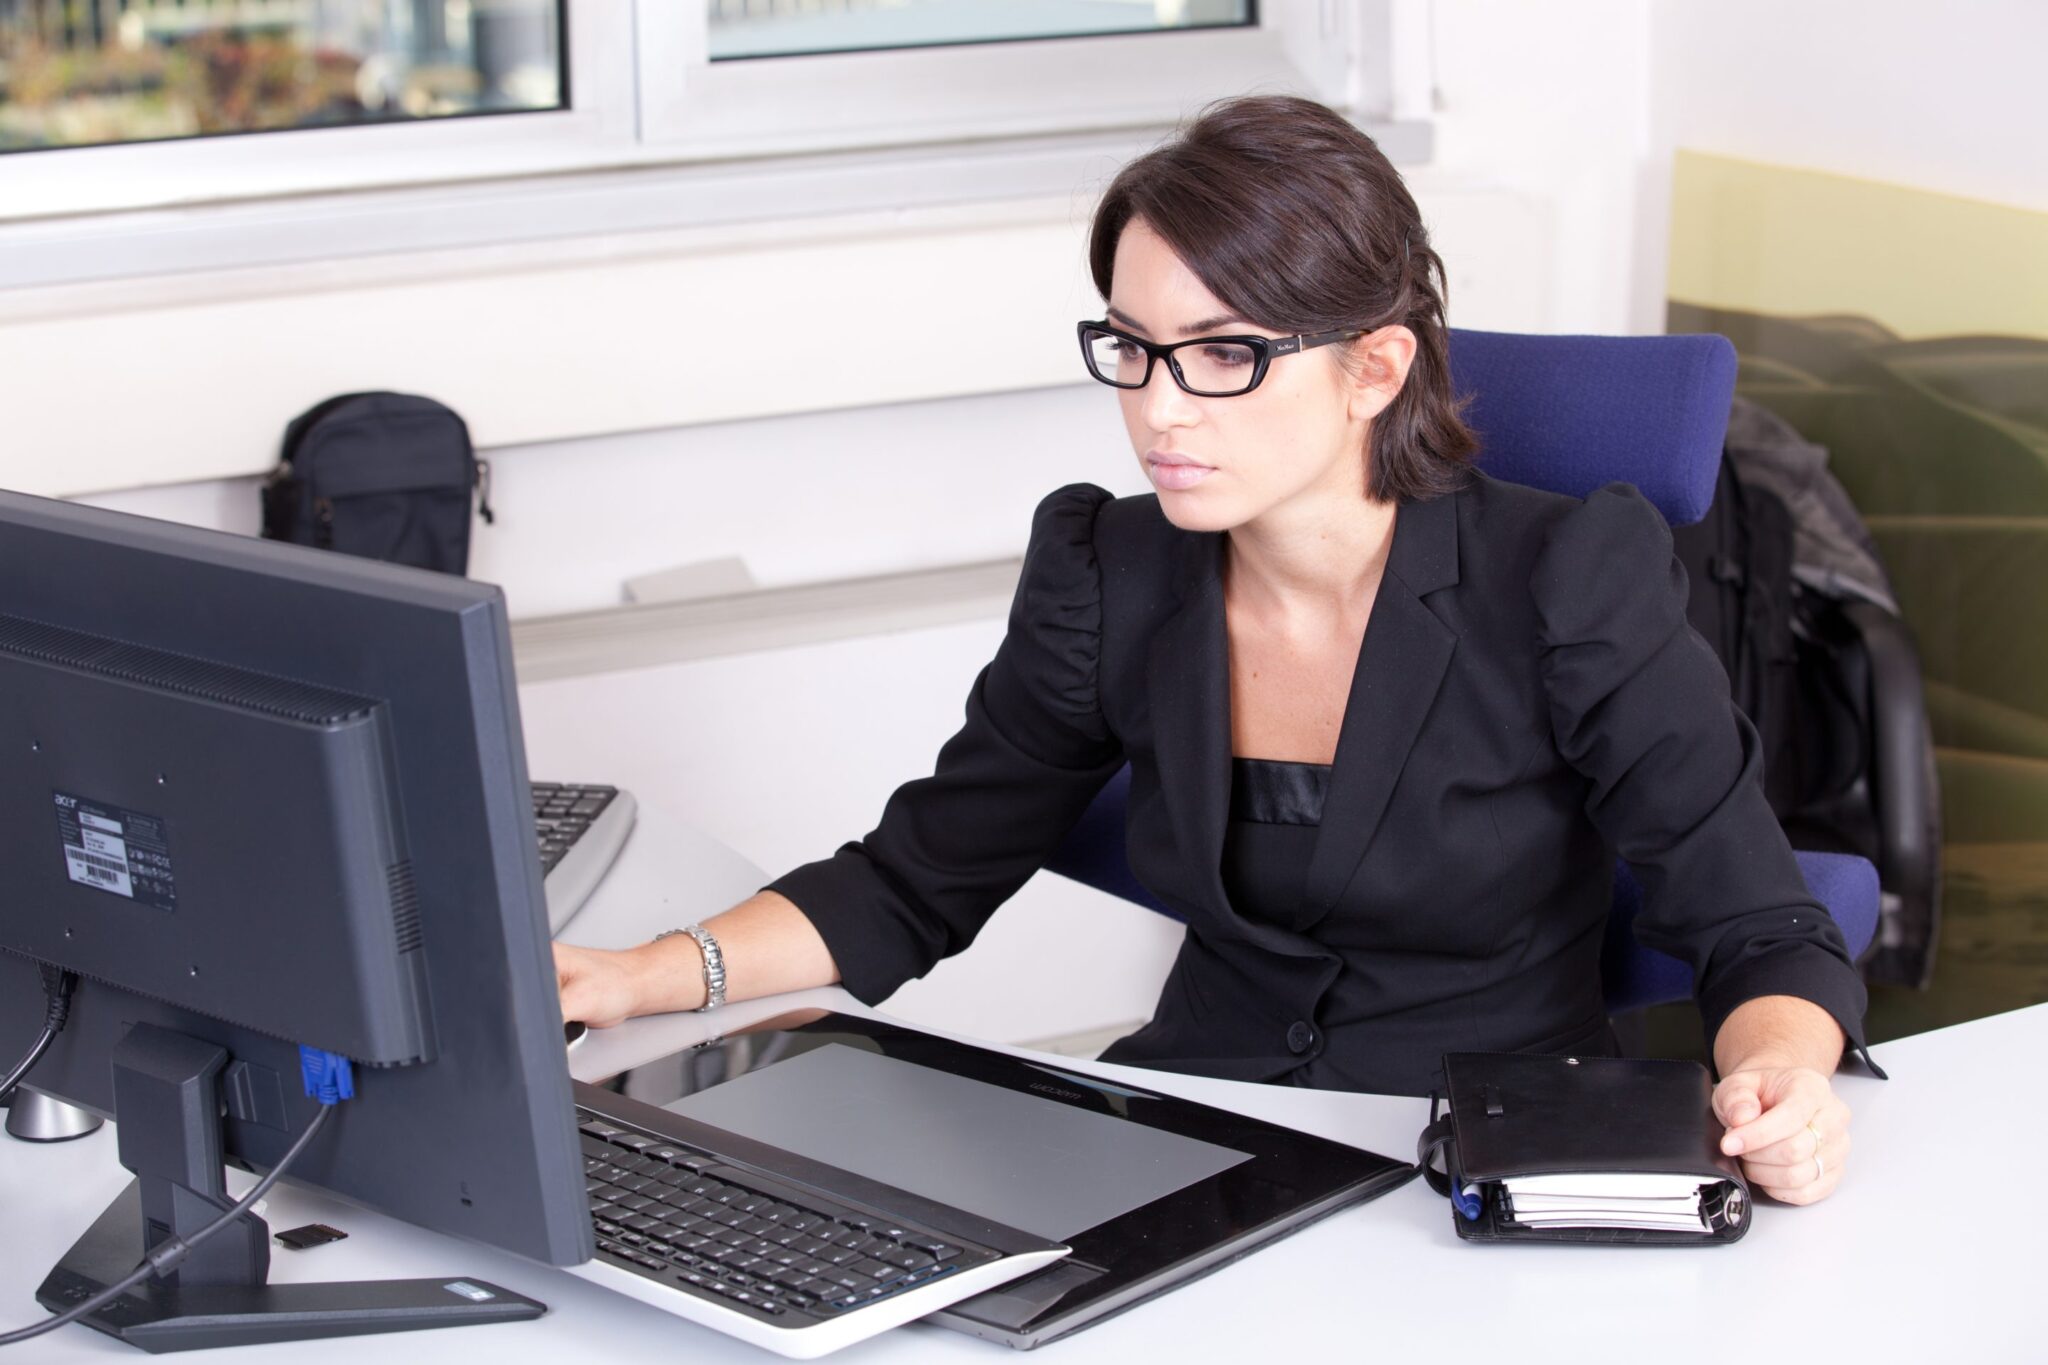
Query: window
(895, 73)
(374, 143)
(782, 28)
(114, 71)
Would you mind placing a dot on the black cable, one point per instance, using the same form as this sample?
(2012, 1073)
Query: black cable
(57, 986)
(27, 1064)
(166, 1257)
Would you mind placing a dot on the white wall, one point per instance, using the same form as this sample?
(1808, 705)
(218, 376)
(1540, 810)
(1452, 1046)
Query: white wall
(1943, 97)
(802, 497)
(562, 339)
(1938, 97)
(1546, 103)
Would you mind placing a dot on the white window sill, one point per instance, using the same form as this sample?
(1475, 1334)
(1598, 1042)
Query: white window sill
(48, 267)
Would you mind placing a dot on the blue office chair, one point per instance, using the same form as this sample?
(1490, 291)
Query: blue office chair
(1571, 414)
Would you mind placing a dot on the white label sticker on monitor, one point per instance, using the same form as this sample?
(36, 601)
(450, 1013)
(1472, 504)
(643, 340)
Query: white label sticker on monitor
(121, 851)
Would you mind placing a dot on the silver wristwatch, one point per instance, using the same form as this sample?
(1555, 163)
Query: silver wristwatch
(714, 963)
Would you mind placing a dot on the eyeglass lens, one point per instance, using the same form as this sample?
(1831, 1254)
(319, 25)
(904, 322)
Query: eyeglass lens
(1211, 368)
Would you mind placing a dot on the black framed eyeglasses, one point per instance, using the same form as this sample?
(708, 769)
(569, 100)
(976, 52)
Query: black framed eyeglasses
(1208, 367)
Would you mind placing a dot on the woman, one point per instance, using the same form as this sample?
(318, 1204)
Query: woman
(1388, 720)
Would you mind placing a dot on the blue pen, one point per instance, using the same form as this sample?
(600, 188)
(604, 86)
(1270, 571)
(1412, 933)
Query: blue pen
(1465, 1198)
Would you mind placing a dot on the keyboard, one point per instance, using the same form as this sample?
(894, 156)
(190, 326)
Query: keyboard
(581, 830)
(790, 1263)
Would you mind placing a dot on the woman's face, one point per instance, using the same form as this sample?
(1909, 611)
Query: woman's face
(1217, 463)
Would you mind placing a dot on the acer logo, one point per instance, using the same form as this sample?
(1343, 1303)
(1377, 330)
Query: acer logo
(1055, 1090)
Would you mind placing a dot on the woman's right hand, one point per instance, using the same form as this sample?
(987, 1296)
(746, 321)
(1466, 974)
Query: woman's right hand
(600, 987)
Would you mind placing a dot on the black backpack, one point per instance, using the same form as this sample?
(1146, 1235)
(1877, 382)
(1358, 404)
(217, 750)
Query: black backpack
(1787, 589)
(381, 475)
(1738, 561)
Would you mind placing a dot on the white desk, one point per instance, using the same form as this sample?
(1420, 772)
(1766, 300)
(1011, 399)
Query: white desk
(1906, 1261)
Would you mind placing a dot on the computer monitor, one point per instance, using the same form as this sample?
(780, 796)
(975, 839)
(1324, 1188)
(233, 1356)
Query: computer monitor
(257, 796)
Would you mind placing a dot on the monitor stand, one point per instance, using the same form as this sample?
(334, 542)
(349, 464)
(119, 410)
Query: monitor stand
(167, 1107)
(35, 1117)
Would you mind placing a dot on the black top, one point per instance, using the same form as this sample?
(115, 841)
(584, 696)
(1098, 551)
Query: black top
(1275, 807)
(1528, 702)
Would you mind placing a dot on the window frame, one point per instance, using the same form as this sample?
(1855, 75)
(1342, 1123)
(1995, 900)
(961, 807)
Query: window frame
(692, 107)
(627, 158)
(598, 128)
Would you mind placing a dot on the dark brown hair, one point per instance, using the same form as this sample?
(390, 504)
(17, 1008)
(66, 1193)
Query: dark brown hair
(1298, 222)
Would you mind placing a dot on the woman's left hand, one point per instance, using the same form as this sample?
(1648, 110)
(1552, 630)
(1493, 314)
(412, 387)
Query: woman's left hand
(1788, 1127)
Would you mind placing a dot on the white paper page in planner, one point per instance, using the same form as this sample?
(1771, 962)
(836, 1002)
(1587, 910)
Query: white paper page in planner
(1609, 1184)
(1608, 1200)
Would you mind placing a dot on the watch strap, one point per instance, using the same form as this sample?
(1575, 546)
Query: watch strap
(714, 963)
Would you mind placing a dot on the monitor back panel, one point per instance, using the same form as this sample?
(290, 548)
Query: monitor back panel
(479, 1141)
(211, 837)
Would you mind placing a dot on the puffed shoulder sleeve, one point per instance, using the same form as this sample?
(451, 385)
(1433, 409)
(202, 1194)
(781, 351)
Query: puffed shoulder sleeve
(1032, 752)
(1640, 706)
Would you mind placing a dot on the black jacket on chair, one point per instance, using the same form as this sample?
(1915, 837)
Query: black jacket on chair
(1528, 700)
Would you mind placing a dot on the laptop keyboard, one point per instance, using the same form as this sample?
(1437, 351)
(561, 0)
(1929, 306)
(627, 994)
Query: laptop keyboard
(688, 1219)
(582, 829)
(562, 814)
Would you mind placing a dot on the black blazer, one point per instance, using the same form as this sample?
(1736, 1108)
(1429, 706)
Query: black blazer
(1529, 699)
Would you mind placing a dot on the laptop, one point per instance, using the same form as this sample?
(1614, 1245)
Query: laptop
(953, 1181)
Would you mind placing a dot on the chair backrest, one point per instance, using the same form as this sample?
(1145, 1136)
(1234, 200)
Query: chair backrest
(1632, 976)
(1568, 414)
(1571, 413)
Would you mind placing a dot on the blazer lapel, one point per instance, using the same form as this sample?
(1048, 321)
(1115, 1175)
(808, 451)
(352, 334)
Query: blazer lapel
(1188, 682)
(1189, 690)
(1400, 667)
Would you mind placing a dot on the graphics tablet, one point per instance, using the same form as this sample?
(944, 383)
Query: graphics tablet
(1149, 1190)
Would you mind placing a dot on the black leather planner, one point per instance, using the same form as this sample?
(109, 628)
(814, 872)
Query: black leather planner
(1607, 1150)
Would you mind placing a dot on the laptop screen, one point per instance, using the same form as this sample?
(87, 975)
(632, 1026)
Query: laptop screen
(1034, 1164)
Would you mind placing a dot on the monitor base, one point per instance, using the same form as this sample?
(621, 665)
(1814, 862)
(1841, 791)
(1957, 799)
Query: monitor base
(157, 1318)
(167, 1119)
(35, 1117)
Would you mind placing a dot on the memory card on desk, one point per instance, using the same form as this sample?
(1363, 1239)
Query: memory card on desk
(311, 1235)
